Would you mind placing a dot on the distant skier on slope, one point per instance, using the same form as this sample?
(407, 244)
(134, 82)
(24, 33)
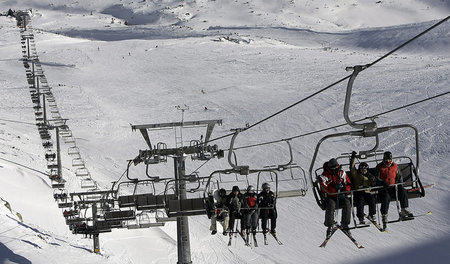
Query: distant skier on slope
(333, 180)
(361, 179)
(388, 174)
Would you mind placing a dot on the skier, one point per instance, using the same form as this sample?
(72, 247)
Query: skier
(388, 175)
(234, 204)
(333, 182)
(361, 179)
(266, 203)
(220, 212)
(251, 212)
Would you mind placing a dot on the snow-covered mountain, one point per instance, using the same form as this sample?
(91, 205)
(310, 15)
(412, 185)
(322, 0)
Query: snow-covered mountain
(115, 63)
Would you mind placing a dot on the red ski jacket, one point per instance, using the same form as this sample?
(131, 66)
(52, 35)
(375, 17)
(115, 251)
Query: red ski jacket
(387, 174)
(328, 181)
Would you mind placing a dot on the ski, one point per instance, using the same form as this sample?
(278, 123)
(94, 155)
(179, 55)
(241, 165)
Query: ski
(265, 240)
(255, 242)
(347, 233)
(376, 225)
(407, 218)
(276, 238)
(333, 230)
(241, 234)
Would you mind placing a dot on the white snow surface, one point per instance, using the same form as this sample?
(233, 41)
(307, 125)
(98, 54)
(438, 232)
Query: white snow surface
(106, 75)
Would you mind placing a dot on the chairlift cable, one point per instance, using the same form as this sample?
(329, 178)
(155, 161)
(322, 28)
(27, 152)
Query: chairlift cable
(341, 125)
(409, 41)
(46, 174)
(199, 167)
(14, 121)
(339, 81)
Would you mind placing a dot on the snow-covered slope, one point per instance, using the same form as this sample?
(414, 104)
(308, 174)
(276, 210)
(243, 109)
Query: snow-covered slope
(106, 75)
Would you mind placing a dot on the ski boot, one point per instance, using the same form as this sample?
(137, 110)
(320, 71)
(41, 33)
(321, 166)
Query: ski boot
(384, 220)
(213, 232)
(361, 221)
(405, 213)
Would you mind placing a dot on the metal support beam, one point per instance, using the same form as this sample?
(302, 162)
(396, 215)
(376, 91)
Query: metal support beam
(183, 243)
(58, 153)
(96, 235)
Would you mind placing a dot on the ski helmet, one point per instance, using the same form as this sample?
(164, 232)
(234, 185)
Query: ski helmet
(265, 186)
(235, 189)
(251, 189)
(333, 164)
(387, 155)
(363, 166)
(222, 192)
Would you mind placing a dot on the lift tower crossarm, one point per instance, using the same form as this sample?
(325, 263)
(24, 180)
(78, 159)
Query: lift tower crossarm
(160, 126)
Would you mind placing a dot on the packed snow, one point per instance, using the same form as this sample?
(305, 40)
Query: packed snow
(115, 63)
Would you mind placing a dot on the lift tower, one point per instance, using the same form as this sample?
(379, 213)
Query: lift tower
(200, 150)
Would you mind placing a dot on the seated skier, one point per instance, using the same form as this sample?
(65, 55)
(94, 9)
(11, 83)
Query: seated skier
(361, 179)
(220, 212)
(334, 182)
(266, 203)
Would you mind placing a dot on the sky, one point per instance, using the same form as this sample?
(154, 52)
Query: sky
(241, 62)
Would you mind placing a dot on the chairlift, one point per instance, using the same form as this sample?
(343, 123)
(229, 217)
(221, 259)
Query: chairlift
(68, 140)
(82, 172)
(408, 170)
(77, 162)
(146, 201)
(52, 164)
(143, 220)
(119, 215)
(184, 206)
(47, 144)
(299, 183)
(73, 150)
(88, 184)
(65, 133)
(161, 217)
(60, 194)
(50, 156)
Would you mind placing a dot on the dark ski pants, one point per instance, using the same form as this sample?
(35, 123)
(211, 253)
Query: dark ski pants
(386, 194)
(331, 204)
(251, 220)
(233, 217)
(359, 198)
(269, 214)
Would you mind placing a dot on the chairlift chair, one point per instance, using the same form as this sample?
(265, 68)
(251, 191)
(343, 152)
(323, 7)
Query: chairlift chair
(73, 150)
(77, 162)
(161, 217)
(183, 207)
(297, 181)
(82, 172)
(143, 220)
(68, 140)
(409, 171)
(88, 184)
